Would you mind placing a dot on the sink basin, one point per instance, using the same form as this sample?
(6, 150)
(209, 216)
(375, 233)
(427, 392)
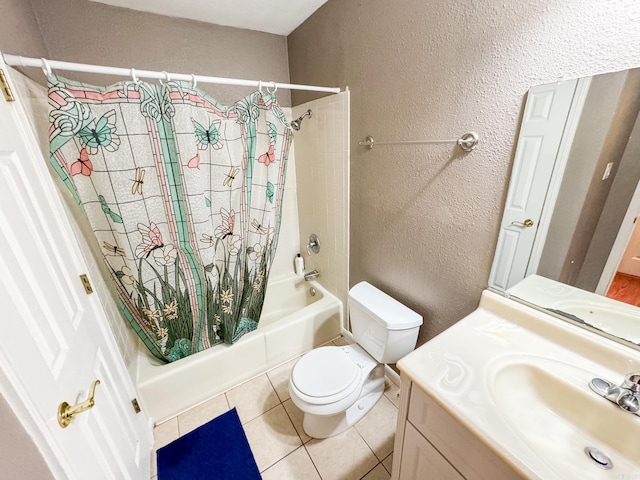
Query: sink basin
(518, 379)
(550, 407)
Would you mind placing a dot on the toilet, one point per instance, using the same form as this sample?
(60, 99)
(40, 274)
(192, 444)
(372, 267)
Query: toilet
(336, 386)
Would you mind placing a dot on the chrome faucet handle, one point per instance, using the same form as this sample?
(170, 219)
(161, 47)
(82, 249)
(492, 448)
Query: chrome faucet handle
(626, 396)
(632, 383)
(629, 402)
(314, 244)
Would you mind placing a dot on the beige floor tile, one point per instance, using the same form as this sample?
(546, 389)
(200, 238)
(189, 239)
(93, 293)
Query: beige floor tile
(165, 433)
(201, 414)
(388, 463)
(296, 415)
(378, 473)
(279, 377)
(342, 457)
(392, 392)
(295, 466)
(378, 427)
(253, 398)
(154, 464)
(272, 437)
(340, 341)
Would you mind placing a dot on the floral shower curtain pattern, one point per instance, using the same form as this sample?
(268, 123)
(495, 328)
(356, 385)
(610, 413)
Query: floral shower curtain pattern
(184, 196)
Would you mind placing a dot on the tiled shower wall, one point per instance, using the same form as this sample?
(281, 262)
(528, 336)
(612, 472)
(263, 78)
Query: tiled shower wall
(322, 172)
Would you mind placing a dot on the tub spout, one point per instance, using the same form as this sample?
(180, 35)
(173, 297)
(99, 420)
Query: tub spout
(312, 275)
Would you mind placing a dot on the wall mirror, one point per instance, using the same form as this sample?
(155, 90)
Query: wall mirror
(574, 195)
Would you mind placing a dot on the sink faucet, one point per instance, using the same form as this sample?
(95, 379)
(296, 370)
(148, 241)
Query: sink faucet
(312, 275)
(626, 396)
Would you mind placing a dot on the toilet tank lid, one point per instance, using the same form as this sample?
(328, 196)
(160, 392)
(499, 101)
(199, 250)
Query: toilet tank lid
(393, 314)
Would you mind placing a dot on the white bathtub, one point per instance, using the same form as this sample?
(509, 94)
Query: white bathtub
(292, 323)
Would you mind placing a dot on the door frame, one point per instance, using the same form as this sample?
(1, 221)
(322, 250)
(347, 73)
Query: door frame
(620, 243)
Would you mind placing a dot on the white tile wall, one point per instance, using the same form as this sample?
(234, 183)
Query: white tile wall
(288, 241)
(322, 172)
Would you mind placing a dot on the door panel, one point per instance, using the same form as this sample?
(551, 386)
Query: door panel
(56, 338)
(542, 128)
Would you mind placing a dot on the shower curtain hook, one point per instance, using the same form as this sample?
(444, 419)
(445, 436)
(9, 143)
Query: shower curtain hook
(133, 75)
(193, 81)
(166, 76)
(260, 86)
(46, 68)
(275, 88)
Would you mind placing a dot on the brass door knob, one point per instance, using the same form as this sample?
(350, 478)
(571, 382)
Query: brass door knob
(66, 411)
(526, 224)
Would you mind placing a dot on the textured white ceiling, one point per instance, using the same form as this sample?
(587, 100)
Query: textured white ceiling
(272, 16)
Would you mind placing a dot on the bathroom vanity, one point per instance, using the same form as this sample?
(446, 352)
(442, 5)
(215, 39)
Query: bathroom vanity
(504, 394)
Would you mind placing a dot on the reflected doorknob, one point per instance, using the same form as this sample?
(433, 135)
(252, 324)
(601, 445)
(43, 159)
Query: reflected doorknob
(526, 224)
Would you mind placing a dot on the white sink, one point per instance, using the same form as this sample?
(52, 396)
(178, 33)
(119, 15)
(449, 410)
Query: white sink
(518, 378)
(547, 405)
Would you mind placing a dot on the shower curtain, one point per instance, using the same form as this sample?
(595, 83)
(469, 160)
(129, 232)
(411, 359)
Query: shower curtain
(184, 196)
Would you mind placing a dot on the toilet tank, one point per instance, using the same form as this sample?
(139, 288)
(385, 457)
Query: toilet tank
(385, 328)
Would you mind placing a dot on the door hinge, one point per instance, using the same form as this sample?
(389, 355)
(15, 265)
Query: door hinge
(6, 89)
(86, 284)
(136, 406)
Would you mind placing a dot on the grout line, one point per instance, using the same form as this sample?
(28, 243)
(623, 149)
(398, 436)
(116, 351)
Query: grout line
(290, 453)
(302, 442)
(376, 466)
(382, 461)
(312, 462)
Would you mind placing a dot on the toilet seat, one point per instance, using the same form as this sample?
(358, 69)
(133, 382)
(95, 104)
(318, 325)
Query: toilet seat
(334, 387)
(326, 375)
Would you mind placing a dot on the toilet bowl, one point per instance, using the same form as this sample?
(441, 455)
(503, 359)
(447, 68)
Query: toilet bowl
(336, 386)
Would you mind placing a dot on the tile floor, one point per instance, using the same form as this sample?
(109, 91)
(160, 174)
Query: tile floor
(282, 450)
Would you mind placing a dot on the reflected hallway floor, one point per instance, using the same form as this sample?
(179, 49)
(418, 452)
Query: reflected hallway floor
(625, 288)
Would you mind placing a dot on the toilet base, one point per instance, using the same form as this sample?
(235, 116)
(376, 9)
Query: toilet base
(324, 426)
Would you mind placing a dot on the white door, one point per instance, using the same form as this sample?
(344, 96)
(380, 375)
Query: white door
(543, 124)
(55, 339)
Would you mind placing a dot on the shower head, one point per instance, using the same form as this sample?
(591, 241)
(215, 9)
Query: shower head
(295, 124)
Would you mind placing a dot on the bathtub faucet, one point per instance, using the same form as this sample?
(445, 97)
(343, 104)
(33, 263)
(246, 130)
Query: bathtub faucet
(312, 275)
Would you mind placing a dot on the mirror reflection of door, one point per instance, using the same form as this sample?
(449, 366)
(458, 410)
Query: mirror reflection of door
(543, 123)
(582, 232)
(592, 196)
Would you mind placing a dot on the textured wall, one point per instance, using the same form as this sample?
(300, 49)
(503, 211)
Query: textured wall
(19, 31)
(19, 456)
(424, 219)
(89, 32)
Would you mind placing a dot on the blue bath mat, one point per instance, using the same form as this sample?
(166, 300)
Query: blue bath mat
(217, 450)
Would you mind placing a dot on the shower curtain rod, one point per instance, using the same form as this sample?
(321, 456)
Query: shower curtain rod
(48, 65)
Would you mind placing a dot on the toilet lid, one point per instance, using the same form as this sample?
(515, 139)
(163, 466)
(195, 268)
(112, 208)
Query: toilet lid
(324, 372)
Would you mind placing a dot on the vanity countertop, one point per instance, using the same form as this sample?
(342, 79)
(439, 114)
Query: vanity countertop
(517, 378)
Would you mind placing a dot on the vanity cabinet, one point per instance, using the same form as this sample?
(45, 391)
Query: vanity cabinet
(431, 444)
